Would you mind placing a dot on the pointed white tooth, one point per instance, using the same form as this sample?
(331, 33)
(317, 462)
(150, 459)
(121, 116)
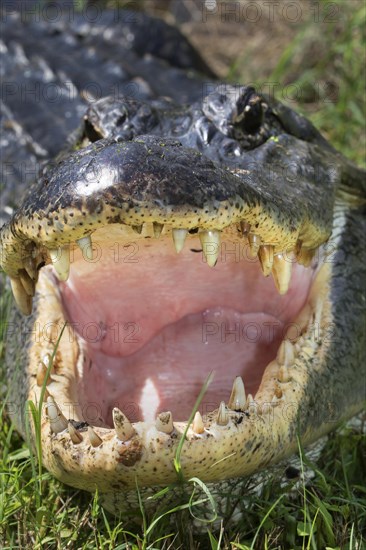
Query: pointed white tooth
(283, 374)
(198, 426)
(164, 422)
(250, 400)
(123, 427)
(286, 353)
(41, 374)
(222, 415)
(27, 283)
(281, 271)
(254, 244)
(265, 255)
(157, 228)
(60, 258)
(210, 241)
(95, 440)
(237, 399)
(23, 301)
(86, 246)
(75, 435)
(57, 419)
(179, 237)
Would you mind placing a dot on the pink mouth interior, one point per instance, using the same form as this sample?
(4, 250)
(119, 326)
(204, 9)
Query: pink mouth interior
(154, 324)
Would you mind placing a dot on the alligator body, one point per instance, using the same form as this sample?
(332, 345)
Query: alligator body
(184, 231)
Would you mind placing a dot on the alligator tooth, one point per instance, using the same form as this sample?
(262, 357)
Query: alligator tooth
(123, 427)
(95, 440)
(244, 228)
(278, 392)
(281, 272)
(250, 400)
(305, 256)
(157, 228)
(286, 353)
(86, 247)
(283, 374)
(210, 241)
(41, 374)
(265, 255)
(222, 415)
(31, 268)
(57, 419)
(237, 399)
(75, 435)
(27, 283)
(137, 229)
(23, 301)
(198, 426)
(254, 244)
(179, 237)
(164, 422)
(60, 258)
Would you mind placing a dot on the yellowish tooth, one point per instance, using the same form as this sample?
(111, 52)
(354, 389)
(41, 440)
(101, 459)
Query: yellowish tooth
(60, 258)
(86, 246)
(137, 228)
(198, 426)
(179, 237)
(237, 401)
(254, 244)
(305, 256)
(22, 299)
(75, 435)
(244, 228)
(281, 271)
(283, 374)
(95, 440)
(210, 241)
(286, 353)
(31, 268)
(27, 283)
(57, 420)
(123, 427)
(164, 422)
(157, 228)
(265, 255)
(41, 374)
(222, 415)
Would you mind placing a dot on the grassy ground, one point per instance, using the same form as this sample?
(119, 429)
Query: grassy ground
(328, 512)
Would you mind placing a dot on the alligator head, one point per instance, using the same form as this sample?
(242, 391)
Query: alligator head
(172, 243)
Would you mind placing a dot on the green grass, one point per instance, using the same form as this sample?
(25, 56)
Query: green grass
(322, 73)
(36, 511)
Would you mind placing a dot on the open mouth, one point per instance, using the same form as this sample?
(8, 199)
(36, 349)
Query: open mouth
(164, 269)
(152, 324)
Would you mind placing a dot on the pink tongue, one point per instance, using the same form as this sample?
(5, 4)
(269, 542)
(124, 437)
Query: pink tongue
(168, 373)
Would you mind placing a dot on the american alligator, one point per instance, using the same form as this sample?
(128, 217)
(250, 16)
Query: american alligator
(183, 228)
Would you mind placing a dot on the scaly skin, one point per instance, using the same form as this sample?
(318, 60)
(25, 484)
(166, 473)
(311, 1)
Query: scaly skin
(232, 157)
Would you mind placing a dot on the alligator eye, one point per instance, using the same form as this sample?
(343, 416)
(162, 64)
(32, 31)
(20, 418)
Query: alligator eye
(250, 112)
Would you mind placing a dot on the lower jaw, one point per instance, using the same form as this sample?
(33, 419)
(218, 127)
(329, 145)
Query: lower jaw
(263, 426)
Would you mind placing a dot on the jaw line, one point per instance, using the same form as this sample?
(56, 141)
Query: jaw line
(262, 433)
